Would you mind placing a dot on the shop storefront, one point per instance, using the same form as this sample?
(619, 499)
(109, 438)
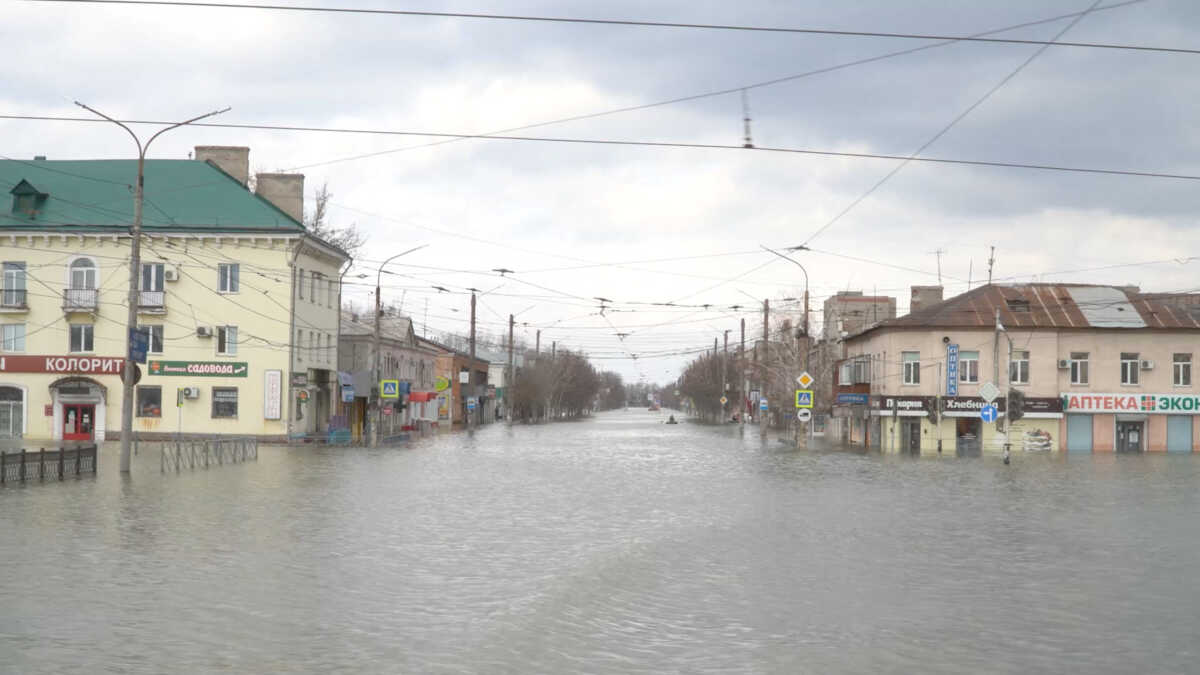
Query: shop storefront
(904, 424)
(61, 398)
(1131, 422)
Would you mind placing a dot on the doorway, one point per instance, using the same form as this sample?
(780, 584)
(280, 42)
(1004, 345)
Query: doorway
(1130, 436)
(79, 421)
(967, 442)
(910, 437)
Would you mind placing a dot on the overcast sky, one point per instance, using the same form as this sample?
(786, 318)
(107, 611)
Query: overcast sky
(554, 212)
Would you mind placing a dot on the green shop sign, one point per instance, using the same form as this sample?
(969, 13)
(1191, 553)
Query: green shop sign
(199, 368)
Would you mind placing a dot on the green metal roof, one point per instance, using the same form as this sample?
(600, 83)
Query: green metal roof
(181, 194)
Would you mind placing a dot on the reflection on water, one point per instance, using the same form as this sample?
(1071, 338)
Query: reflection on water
(616, 544)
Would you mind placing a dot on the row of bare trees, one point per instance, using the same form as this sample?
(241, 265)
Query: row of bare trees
(563, 386)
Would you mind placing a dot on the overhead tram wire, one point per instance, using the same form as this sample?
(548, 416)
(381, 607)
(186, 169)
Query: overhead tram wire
(944, 130)
(622, 22)
(647, 144)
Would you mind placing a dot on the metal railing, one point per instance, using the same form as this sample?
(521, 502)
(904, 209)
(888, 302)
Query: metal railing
(43, 464)
(201, 454)
(79, 299)
(151, 299)
(13, 298)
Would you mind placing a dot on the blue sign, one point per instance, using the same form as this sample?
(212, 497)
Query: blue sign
(471, 403)
(139, 344)
(347, 393)
(988, 413)
(952, 370)
(852, 399)
(762, 404)
(389, 389)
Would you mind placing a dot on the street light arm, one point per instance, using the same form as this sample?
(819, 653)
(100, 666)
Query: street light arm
(379, 274)
(180, 124)
(129, 131)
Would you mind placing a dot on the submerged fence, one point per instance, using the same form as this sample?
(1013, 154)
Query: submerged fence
(201, 454)
(56, 463)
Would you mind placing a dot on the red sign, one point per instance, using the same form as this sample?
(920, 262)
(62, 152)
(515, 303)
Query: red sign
(90, 365)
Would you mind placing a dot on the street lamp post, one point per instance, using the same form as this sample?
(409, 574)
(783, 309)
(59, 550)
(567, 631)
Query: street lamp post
(378, 366)
(135, 259)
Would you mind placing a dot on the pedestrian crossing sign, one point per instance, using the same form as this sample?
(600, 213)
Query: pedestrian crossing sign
(804, 398)
(389, 388)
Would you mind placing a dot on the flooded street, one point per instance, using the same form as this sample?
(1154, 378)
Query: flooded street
(616, 544)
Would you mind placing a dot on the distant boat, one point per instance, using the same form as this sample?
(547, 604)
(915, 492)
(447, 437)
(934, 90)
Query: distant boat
(671, 420)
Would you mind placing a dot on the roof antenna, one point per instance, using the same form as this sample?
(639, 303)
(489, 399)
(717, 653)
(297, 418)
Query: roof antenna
(970, 270)
(938, 252)
(746, 120)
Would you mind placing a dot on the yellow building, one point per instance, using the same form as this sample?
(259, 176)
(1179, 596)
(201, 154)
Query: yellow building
(238, 304)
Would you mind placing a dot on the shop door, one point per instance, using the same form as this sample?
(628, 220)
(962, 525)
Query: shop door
(79, 422)
(910, 437)
(967, 441)
(1129, 436)
(1179, 433)
(1079, 433)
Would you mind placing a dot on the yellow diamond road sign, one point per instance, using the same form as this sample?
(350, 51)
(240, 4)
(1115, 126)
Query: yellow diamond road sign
(804, 380)
(724, 400)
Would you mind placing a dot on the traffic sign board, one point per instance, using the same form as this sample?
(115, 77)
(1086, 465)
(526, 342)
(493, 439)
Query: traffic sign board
(804, 414)
(804, 398)
(805, 380)
(988, 413)
(724, 400)
(389, 388)
(139, 344)
(470, 403)
(989, 392)
(762, 404)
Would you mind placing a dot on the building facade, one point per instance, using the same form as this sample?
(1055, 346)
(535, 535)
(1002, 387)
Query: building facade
(237, 338)
(458, 380)
(1097, 368)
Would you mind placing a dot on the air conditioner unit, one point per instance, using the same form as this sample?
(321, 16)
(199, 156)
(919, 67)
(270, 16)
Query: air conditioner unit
(204, 331)
(1147, 364)
(171, 273)
(191, 392)
(1063, 364)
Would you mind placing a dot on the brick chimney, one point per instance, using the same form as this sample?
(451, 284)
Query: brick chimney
(924, 296)
(232, 159)
(284, 190)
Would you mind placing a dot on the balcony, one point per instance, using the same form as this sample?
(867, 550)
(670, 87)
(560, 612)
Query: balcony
(12, 300)
(152, 302)
(80, 300)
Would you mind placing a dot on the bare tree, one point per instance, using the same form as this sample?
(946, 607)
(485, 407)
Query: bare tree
(350, 239)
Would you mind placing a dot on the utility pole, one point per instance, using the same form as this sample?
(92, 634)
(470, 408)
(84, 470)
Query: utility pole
(510, 375)
(537, 346)
(763, 414)
(724, 371)
(471, 366)
(742, 370)
(378, 347)
(135, 271)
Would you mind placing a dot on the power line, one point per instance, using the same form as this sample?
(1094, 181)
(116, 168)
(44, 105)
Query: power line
(628, 22)
(634, 143)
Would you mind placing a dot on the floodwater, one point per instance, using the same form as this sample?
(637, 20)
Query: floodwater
(613, 545)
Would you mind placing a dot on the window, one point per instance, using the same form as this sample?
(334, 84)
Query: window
(1129, 368)
(313, 280)
(81, 337)
(12, 413)
(14, 337)
(1079, 367)
(154, 338)
(312, 346)
(1183, 370)
(83, 274)
(227, 340)
(300, 283)
(1018, 368)
(862, 370)
(912, 367)
(227, 277)
(224, 401)
(846, 374)
(149, 401)
(152, 276)
(968, 366)
(14, 285)
(299, 345)
(332, 293)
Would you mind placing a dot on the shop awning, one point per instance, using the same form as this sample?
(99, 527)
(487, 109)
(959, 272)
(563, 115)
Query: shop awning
(421, 396)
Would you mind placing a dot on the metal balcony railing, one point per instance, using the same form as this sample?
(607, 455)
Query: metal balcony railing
(151, 299)
(79, 299)
(13, 298)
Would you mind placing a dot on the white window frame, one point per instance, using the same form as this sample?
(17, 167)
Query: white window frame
(91, 274)
(300, 282)
(228, 335)
(15, 279)
(157, 275)
(299, 345)
(1130, 377)
(313, 281)
(14, 343)
(153, 332)
(1182, 369)
(911, 367)
(87, 338)
(1080, 367)
(229, 277)
(1018, 370)
(968, 367)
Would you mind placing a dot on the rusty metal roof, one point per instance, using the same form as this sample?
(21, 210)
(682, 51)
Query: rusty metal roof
(1052, 306)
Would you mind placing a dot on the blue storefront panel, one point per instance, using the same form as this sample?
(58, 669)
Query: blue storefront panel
(1179, 433)
(1079, 433)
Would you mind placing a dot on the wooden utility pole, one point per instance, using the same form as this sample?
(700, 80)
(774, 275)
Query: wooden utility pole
(537, 345)
(471, 368)
(509, 376)
(763, 414)
(742, 370)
